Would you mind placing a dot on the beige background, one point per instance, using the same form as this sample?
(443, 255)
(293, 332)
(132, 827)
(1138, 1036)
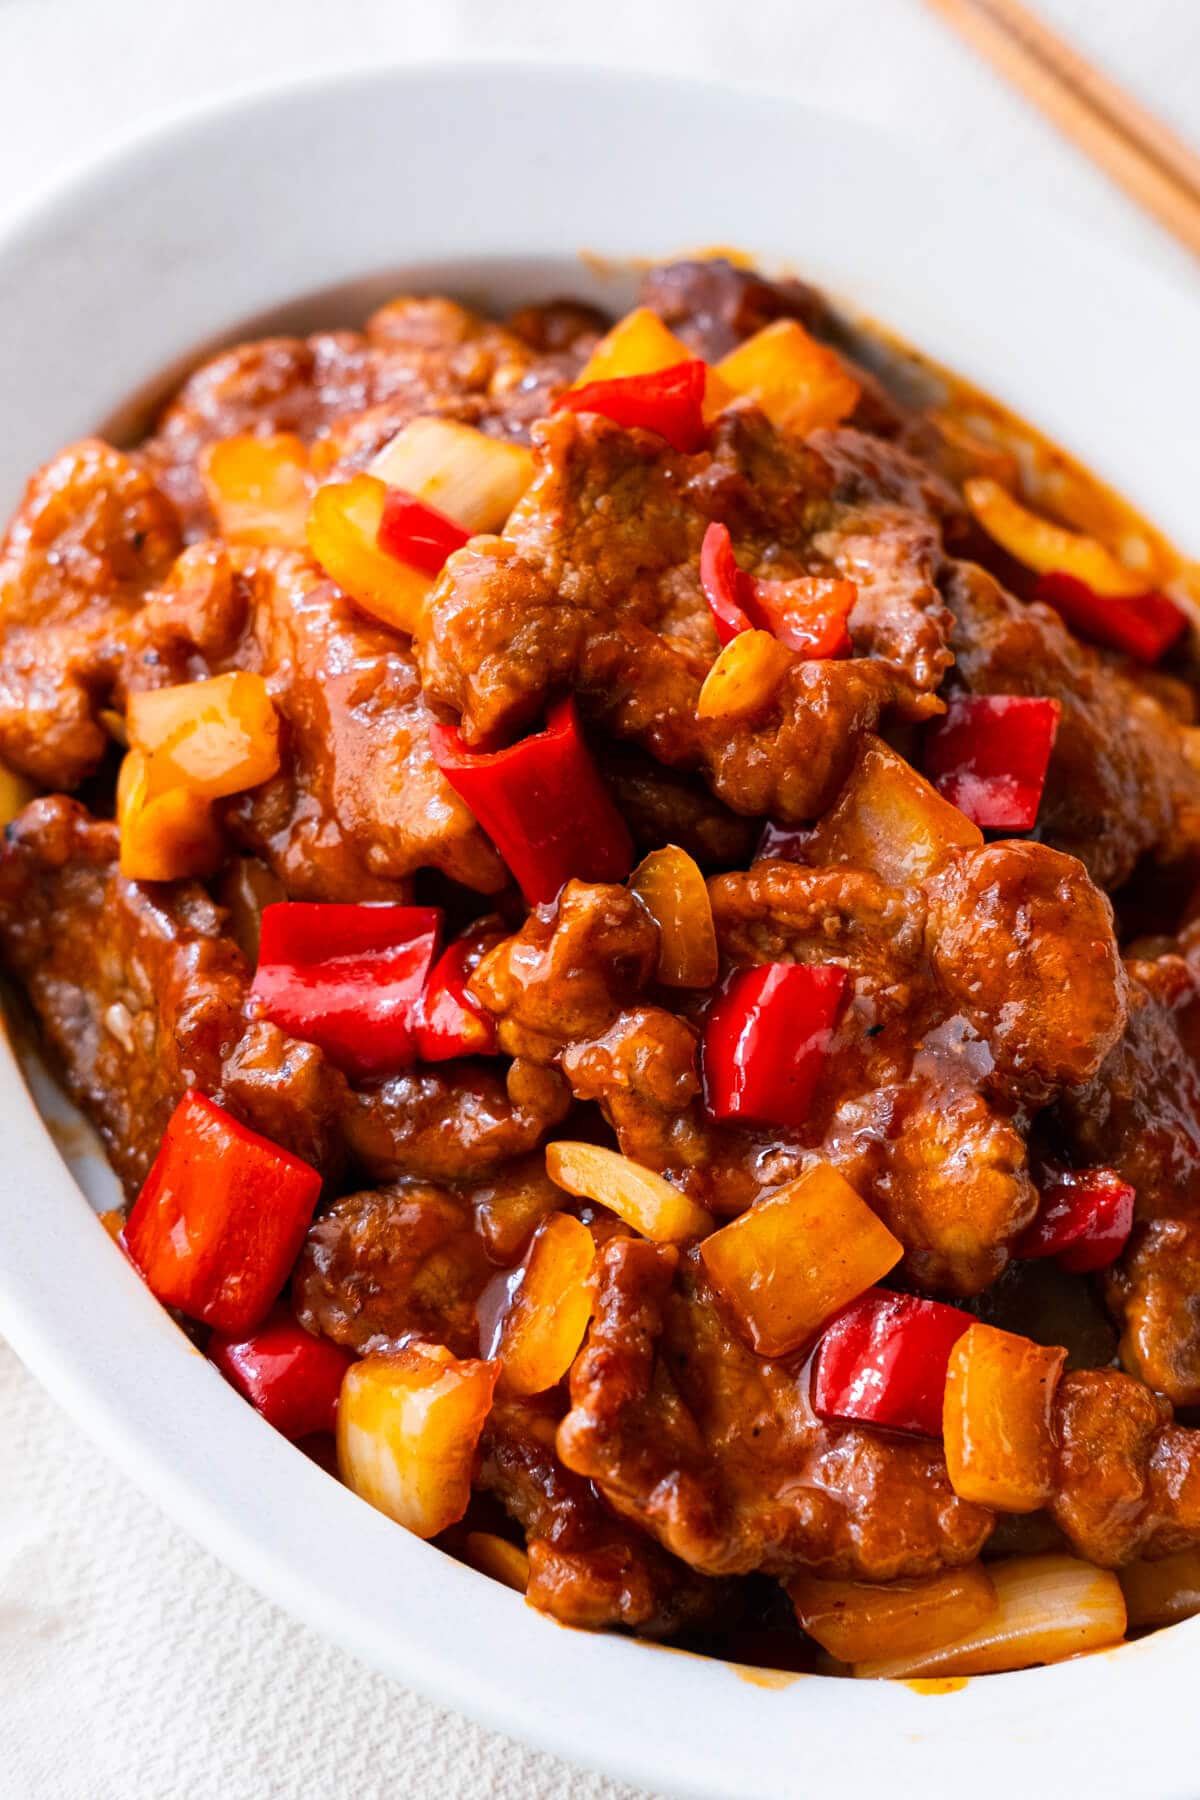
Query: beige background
(132, 1666)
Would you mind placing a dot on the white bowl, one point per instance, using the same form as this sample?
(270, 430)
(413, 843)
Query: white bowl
(489, 180)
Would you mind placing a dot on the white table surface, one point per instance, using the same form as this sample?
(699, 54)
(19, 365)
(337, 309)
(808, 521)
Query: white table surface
(132, 1665)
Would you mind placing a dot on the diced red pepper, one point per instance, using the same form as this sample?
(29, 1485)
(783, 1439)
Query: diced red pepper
(807, 614)
(417, 533)
(883, 1362)
(1142, 625)
(781, 843)
(451, 1022)
(220, 1217)
(348, 978)
(289, 1376)
(765, 1041)
(1085, 1220)
(542, 803)
(988, 756)
(669, 402)
(728, 589)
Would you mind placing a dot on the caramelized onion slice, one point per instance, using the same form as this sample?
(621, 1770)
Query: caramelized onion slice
(853, 1620)
(643, 1199)
(548, 1307)
(799, 383)
(890, 820)
(744, 677)
(1047, 1608)
(1046, 547)
(407, 1426)
(793, 1260)
(259, 488)
(670, 886)
(496, 1557)
(474, 479)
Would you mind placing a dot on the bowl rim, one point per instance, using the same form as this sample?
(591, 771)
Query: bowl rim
(278, 1520)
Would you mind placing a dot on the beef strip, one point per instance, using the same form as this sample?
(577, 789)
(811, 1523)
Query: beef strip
(391, 1265)
(587, 1567)
(359, 803)
(140, 994)
(352, 391)
(1127, 1479)
(596, 586)
(91, 537)
(718, 1453)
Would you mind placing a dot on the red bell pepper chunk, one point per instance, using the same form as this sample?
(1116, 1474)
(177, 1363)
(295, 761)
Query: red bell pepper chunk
(781, 843)
(348, 978)
(220, 1217)
(452, 1023)
(728, 589)
(669, 402)
(417, 533)
(1142, 625)
(292, 1378)
(883, 1361)
(1085, 1220)
(542, 803)
(765, 1041)
(807, 614)
(989, 754)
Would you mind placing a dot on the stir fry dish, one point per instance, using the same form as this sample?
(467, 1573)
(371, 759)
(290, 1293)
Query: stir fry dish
(618, 893)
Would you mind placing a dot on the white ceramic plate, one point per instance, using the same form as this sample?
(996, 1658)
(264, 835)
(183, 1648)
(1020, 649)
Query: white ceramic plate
(488, 181)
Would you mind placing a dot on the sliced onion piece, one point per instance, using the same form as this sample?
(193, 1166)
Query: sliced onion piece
(799, 383)
(1044, 546)
(1047, 1608)
(15, 794)
(744, 677)
(671, 888)
(853, 1620)
(259, 488)
(496, 1557)
(544, 1311)
(643, 1199)
(408, 1423)
(889, 819)
(793, 1260)
(474, 479)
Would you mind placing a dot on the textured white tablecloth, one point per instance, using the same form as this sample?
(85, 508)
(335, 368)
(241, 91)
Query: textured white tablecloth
(132, 1666)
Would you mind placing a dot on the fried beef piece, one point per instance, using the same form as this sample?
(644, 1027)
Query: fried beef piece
(393, 1264)
(92, 536)
(140, 994)
(587, 1567)
(1119, 785)
(713, 304)
(662, 806)
(1127, 1479)
(596, 585)
(417, 356)
(453, 1122)
(718, 1453)
(1022, 942)
(1141, 1116)
(359, 803)
(784, 912)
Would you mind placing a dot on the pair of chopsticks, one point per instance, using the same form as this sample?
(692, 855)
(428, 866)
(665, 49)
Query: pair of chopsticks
(1149, 161)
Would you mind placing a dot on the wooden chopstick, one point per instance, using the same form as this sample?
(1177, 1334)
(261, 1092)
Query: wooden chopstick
(1150, 161)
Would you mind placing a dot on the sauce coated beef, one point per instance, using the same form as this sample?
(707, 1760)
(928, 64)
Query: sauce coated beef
(995, 1032)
